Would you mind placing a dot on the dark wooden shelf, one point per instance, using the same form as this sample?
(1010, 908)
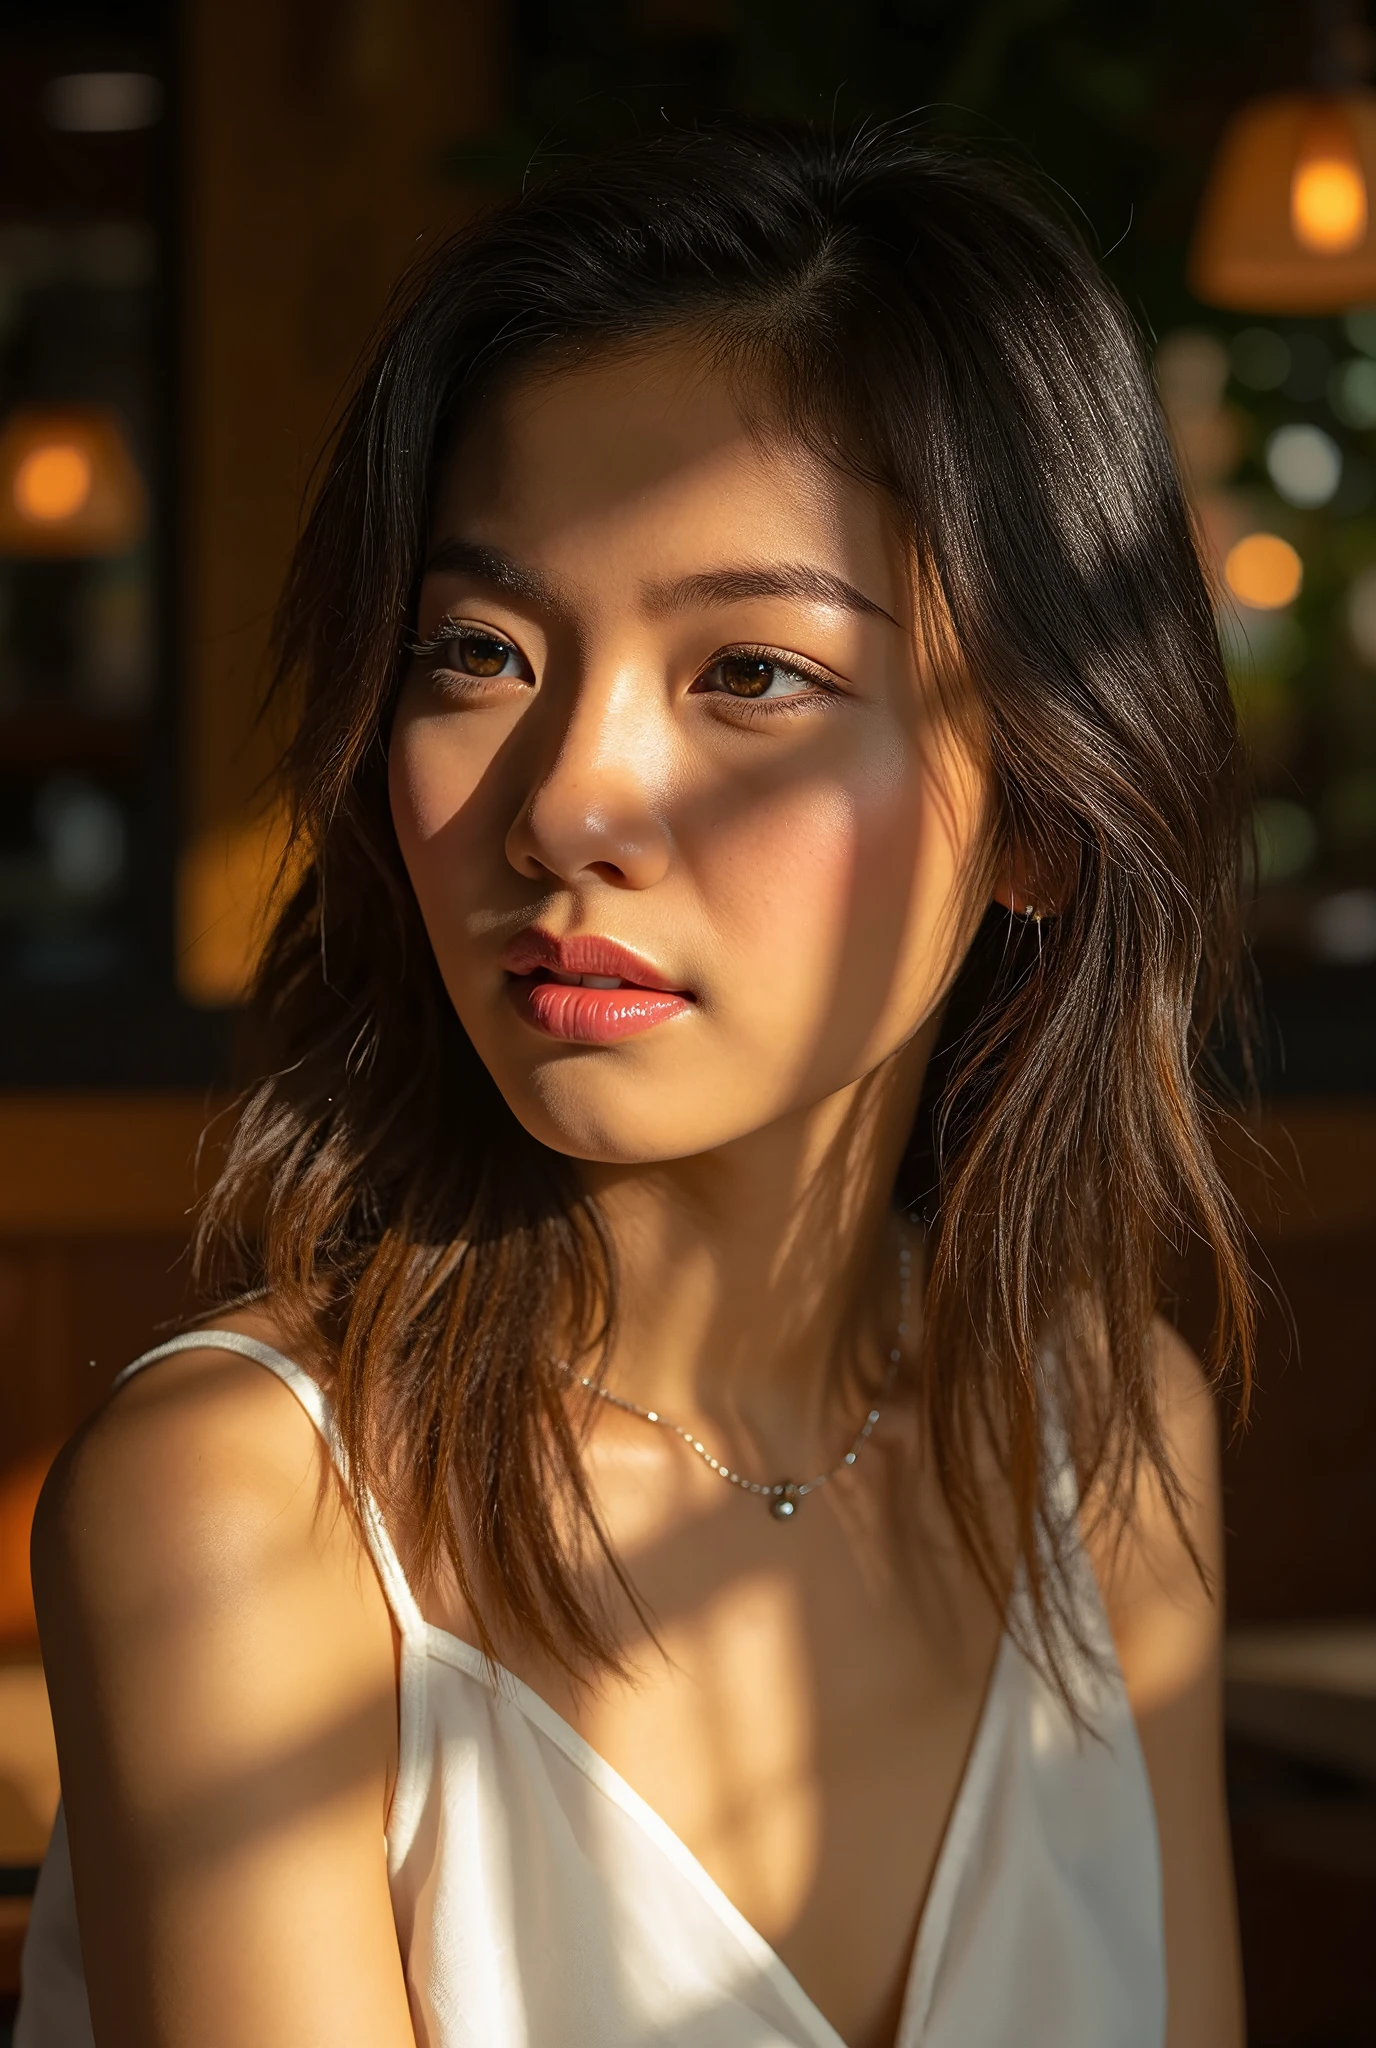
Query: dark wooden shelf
(49, 740)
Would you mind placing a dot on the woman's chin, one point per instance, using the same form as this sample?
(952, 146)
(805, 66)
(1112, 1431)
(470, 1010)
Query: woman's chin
(603, 1137)
(617, 1120)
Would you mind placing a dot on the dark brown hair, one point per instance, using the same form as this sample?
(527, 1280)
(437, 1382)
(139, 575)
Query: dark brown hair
(933, 332)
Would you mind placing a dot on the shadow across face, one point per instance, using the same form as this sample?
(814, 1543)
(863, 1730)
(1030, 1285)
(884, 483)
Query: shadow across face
(668, 700)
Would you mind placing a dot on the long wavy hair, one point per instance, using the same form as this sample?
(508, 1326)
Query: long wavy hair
(928, 328)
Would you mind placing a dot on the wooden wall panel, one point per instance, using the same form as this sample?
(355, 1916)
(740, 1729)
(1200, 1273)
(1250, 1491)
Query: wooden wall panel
(104, 1165)
(96, 1195)
(73, 1311)
(1300, 1477)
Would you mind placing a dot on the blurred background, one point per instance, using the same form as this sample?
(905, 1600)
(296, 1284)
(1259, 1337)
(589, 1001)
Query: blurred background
(202, 207)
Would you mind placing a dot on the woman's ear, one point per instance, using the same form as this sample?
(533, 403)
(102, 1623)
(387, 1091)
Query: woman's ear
(1020, 891)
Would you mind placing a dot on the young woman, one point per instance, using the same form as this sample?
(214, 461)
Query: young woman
(721, 1552)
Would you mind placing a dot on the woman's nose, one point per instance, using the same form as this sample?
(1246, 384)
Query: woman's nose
(597, 807)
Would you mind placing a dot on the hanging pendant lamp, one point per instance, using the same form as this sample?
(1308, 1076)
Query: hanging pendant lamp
(1287, 221)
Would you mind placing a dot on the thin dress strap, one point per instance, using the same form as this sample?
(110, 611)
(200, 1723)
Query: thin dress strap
(315, 1401)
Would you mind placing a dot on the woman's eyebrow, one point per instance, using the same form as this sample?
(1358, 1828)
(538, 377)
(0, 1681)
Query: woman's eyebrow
(773, 579)
(492, 566)
(707, 587)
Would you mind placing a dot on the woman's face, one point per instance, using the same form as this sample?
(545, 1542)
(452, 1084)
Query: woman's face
(695, 847)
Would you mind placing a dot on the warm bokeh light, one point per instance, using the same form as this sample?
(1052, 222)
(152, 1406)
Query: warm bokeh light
(69, 483)
(52, 482)
(1263, 571)
(1328, 207)
(230, 880)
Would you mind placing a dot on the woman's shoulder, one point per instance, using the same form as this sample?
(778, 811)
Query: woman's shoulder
(202, 1433)
(202, 1485)
(1160, 1562)
(220, 1663)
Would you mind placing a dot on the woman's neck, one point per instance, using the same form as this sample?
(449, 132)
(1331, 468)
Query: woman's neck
(755, 1284)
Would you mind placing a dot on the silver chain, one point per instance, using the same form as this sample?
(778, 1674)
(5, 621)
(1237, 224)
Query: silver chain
(785, 1496)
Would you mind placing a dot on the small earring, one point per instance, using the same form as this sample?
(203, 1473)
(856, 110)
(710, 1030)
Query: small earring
(1031, 912)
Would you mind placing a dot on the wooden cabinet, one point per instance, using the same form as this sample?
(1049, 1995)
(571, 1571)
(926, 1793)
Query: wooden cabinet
(95, 1200)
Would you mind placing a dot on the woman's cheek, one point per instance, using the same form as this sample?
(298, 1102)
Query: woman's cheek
(838, 914)
(427, 778)
(448, 823)
(781, 887)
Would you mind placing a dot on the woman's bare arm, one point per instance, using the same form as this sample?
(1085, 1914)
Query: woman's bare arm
(1168, 1629)
(221, 1665)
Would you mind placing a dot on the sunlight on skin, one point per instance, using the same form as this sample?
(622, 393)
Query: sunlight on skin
(223, 1686)
(1150, 1583)
(752, 862)
(761, 1832)
(313, 1749)
(811, 871)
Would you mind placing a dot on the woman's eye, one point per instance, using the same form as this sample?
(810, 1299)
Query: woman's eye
(479, 654)
(463, 650)
(753, 676)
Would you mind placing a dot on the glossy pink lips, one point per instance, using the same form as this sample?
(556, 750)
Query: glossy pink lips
(597, 1016)
(546, 981)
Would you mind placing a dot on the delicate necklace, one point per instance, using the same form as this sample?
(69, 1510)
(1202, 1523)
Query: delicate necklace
(785, 1496)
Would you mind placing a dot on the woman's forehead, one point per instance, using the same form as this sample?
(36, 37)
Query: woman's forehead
(655, 451)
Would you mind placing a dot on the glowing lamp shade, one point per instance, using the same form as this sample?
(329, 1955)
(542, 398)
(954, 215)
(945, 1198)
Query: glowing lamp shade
(1263, 571)
(68, 484)
(1285, 225)
(1328, 204)
(52, 482)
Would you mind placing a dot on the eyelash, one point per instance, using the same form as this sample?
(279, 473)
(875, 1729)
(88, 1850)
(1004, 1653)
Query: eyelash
(822, 690)
(450, 630)
(821, 686)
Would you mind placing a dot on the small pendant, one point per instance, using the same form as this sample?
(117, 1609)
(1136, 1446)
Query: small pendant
(784, 1506)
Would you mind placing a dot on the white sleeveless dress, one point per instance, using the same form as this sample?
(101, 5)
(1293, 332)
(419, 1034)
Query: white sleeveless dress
(540, 1903)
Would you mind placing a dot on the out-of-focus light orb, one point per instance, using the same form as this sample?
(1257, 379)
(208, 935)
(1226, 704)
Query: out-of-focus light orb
(1287, 838)
(1260, 358)
(52, 482)
(1361, 613)
(103, 102)
(1304, 464)
(84, 834)
(1191, 369)
(1342, 927)
(1264, 571)
(1328, 204)
(1191, 376)
(1352, 392)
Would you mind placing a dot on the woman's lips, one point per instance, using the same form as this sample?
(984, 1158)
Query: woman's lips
(588, 989)
(593, 1016)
